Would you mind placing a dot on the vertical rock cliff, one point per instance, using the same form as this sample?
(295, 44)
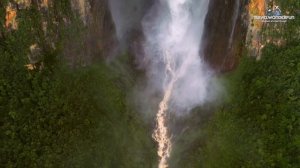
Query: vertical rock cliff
(98, 39)
(225, 33)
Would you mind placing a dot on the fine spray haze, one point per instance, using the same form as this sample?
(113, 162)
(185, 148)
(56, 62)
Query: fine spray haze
(173, 31)
(175, 28)
(173, 61)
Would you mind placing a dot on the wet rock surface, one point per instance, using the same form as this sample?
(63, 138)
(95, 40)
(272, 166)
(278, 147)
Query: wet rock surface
(98, 38)
(112, 28)
(224, 37)
(225, 31)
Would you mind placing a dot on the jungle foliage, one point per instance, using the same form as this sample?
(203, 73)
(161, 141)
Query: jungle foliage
(259, 126)
(57, 116)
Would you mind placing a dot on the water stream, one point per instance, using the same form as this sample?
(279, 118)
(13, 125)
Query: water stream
(173, 35)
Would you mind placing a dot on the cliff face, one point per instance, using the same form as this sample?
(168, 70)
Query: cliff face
(112, 26)
(116, 24)
(109, 22)
(116, 21)
(94, 40)
(225, 33)
(225, 29)
(98, 38)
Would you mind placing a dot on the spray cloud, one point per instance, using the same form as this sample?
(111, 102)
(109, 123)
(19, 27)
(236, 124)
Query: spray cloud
(176, 27)
(173, 31)
(127, 16)
(173, 62)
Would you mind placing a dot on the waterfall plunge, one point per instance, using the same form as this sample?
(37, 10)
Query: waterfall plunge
(176, 27)
(172, 59)
(173, 31)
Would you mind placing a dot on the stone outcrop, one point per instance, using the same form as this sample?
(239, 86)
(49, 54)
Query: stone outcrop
(10, 18)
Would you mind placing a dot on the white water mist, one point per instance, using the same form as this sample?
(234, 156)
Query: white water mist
(127, 16)
(173, 31)
(173, 62)
(177, 26)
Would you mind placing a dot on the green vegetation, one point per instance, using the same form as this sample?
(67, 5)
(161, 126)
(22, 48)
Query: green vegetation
(259, 125)
(55, 116)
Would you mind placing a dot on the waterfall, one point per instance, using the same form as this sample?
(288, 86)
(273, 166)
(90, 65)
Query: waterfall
(234, 21)
(171, 58)
(173, 31)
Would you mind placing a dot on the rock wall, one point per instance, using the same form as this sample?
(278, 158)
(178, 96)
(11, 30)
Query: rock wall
(113, 26)
(225, 29)
(225, 33)
(98, 39)
(101, 30)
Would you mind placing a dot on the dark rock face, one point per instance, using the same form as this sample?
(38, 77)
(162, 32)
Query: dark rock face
(223, 37)
(224, 34)
(127, 16)
(112, 27)
(100, 39)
